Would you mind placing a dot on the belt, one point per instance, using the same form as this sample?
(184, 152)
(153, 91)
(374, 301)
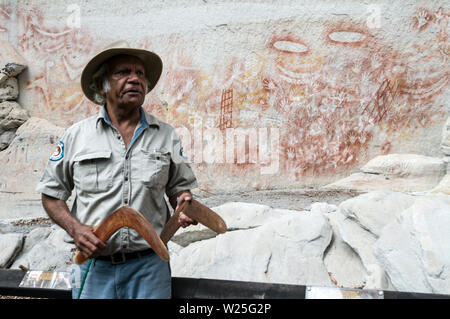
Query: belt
(121, 257)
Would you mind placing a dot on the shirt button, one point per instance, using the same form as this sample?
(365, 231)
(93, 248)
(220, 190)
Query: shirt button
(118, 137)
(126, 201)
(126, 179)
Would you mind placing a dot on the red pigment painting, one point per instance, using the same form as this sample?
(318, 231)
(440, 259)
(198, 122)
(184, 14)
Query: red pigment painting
(324, 103)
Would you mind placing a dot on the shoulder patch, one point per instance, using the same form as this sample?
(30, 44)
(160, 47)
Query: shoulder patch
(59, 153)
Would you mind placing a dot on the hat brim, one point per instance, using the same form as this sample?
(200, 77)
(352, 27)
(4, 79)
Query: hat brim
(152, 63)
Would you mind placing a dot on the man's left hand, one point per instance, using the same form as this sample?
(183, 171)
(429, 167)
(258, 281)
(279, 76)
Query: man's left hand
(183, 219)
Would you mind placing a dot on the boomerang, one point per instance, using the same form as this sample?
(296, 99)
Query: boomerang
(197, 212)
(126, 216)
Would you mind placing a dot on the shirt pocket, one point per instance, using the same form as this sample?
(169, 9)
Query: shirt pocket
(155, 168)
(93, 171)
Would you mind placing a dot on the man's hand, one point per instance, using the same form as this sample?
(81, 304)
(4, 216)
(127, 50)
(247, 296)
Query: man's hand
(183, 219)
(86, 241)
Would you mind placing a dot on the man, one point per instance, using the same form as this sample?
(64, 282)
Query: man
(122, 156)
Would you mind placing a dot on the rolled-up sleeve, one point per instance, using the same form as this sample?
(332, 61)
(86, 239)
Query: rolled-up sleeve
(57, 179)
(181, 175)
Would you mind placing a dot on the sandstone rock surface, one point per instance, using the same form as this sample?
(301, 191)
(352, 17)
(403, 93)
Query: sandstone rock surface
(47, 249)
(284, 249)
(341, 260)
(9, 90)
(10, 246)
(445, 142)
(443, 186)
(413, 249)
(397, 172)
(27, 155)
(10, 56)
(13, 69)
(373, 210)
(12, 115)
(379, 240)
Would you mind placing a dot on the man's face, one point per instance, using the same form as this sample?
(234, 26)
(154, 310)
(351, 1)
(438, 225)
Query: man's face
(126, 76)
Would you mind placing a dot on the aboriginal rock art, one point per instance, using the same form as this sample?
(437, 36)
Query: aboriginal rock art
(327, 96)
(226, 109)
(58, 54)
(4, 19)
(331, 103)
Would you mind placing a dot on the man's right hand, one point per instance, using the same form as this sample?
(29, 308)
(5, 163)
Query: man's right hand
(86, 241)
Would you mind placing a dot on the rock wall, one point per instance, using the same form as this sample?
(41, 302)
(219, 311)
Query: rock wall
(316, 89)
(12, 115)
(378, 240)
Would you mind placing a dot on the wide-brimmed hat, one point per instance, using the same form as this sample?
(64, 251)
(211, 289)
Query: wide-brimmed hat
(152, 63)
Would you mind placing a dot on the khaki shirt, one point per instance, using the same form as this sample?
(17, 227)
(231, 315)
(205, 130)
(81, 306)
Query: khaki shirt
(92, 158)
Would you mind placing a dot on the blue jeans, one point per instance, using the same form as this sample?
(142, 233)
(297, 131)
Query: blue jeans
(146, 277)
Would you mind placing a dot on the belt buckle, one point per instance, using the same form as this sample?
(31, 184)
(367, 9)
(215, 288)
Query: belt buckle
(118, 262)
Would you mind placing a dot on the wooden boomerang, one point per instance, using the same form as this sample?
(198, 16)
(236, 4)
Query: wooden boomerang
(126, 216)
(197, 212)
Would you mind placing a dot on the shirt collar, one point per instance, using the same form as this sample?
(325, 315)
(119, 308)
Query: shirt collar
(146, 120)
